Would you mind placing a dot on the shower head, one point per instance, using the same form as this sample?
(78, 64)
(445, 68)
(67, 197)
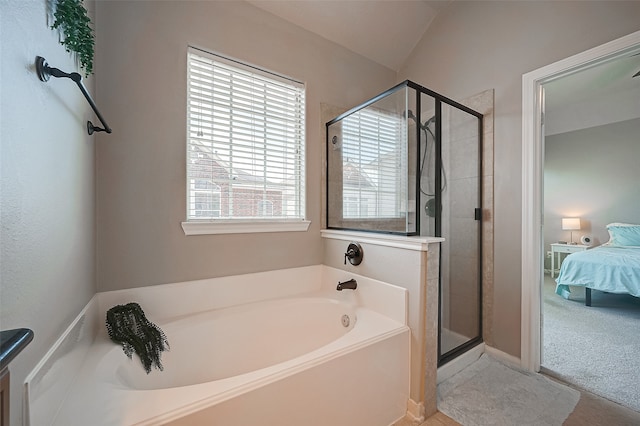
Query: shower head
(429, 121)
(412, 116)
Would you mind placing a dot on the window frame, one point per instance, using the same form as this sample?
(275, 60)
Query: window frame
(229, 225)
(211, 197)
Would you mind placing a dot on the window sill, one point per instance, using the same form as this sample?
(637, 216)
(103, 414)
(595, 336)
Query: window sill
(244, 227)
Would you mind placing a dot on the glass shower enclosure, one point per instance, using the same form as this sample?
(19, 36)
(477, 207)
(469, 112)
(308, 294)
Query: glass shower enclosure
(409, 162)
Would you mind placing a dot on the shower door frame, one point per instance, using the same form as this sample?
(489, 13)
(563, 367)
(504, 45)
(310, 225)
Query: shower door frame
(444, 358)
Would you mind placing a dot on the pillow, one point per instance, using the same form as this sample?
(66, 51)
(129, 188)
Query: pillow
(624, 234)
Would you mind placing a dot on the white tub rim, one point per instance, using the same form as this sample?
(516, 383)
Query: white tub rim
(86, 333)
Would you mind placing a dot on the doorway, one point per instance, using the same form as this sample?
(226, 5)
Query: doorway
(533, 176)
(590, 180)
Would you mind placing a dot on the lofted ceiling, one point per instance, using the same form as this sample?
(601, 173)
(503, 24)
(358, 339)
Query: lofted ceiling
(385, 31)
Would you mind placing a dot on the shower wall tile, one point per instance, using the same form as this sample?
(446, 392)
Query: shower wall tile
(464, 320)
(483, 103)
(445, 265)
(464, 239)
(431, 313)
(487, 206)
(461, 125)
(464, 159)
(487, 154)
(464, 298)
(464, 317)
(488, 260)
(464, 197)
(464, 278)
(433, 263)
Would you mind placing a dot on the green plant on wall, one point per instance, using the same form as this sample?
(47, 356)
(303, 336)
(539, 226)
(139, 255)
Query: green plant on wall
(70, 18)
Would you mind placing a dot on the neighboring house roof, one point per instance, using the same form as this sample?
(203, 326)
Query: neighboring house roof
(356, 177)
(233, 173)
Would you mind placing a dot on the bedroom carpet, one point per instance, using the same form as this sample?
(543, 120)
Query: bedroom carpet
(596, 348)
(491, 393)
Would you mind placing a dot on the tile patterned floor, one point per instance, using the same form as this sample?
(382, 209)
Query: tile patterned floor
(437, 419)
(591, 410)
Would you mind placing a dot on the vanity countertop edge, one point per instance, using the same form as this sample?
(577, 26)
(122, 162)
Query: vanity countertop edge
(12, 342)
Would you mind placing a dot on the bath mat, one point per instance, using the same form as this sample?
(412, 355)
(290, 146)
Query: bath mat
(128, 326)
(491, 393)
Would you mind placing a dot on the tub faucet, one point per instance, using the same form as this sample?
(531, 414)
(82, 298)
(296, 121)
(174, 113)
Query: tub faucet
(347, 285)
(353, 254)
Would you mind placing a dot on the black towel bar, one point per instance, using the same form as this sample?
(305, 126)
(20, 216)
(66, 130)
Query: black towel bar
(45, 72)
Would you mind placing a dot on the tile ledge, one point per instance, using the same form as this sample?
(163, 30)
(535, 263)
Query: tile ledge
(398, 241)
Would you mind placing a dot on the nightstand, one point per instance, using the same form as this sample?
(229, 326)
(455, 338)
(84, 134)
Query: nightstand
(557, 248)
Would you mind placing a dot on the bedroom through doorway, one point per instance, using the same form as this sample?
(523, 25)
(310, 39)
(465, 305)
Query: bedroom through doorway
(589, 146)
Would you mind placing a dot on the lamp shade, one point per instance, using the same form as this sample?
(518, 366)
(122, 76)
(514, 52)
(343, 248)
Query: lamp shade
(570, 223)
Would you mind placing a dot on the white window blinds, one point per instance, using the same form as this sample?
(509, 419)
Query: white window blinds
(245, 142)
(374, 165)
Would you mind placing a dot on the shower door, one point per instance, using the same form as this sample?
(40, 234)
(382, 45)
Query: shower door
(451, 201)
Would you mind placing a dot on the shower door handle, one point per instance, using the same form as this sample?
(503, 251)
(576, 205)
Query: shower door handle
(478, 213)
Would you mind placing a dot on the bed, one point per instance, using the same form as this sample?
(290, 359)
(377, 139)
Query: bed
(613, 267)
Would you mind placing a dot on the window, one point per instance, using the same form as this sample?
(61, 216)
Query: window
(206, 196)
(245, 145)
(374, 158)
(265, 208)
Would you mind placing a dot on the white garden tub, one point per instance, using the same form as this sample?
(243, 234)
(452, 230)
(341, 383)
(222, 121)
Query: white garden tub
(312, 356)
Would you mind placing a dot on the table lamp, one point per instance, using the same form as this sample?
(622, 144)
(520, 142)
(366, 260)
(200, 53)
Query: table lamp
(571, 224)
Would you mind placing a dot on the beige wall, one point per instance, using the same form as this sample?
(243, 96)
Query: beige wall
(473, 46)
(47, 189)
(141, 58)
(48, 219)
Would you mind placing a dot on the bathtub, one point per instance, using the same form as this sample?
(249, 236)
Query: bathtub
(287, 349)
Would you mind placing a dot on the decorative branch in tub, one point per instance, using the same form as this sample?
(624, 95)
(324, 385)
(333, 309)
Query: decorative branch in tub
(128, 326)
(76, 35)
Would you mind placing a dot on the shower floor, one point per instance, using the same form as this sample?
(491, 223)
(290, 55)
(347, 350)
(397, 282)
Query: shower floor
(449, 340)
